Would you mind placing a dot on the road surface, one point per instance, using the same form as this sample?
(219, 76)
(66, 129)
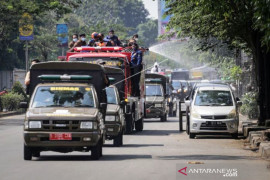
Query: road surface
(157, 153)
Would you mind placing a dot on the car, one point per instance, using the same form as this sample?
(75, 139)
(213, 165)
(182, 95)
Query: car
(115, 118)
(212, 109)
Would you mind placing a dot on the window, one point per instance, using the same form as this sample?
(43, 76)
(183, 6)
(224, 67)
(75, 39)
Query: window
(111, 95)
(154, 90)
(213, 98)
(60, 96)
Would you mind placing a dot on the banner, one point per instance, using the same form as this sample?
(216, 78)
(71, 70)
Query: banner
(26, 27)
(62, 32)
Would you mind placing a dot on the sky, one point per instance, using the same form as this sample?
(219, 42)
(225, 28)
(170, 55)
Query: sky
(152, 7)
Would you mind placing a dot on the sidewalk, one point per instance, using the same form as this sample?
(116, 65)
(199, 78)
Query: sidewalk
(10, 113)
(244, 120)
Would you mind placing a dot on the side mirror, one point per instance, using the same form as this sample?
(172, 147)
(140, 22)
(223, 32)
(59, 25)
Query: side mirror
(103, 106)
(123, 103)
(239, 103)
(187, 103)
(24, 105)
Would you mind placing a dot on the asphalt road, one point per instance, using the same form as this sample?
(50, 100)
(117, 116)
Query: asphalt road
(157, 153)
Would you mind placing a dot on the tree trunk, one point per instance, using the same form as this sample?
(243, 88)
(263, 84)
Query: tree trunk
(262, 60)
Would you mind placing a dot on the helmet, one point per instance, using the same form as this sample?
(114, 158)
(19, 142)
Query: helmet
(94, 35)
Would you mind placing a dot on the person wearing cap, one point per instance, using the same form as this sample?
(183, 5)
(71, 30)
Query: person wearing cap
(74, 40)
(94, 40)
(113, 38)
(27, 76)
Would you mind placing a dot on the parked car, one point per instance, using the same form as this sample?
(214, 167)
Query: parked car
(212, 109)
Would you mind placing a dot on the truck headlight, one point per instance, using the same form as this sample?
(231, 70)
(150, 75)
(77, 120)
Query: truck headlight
(86, 125)
(110, 118)
(232, 114)
(34, 124)
(194, 114)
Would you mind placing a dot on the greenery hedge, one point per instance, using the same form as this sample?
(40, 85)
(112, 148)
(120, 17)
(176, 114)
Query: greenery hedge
(12, 99)
(250, 105)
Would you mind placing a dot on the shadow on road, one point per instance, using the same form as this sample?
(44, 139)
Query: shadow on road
(134, 145)
(214, 137)
(205, 157)
(156, 132)
(106, 157)
(158, 121)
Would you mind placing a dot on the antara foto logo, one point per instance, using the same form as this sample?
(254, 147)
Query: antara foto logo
(183, 171)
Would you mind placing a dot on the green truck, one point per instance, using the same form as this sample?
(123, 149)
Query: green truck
(66, 110)
(155, 96)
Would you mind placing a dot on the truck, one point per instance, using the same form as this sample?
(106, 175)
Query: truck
(115, 124)
(66, 109)
(118, 57)
(155, 96)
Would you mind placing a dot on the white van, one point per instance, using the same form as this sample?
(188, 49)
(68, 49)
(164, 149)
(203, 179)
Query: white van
(213, 110)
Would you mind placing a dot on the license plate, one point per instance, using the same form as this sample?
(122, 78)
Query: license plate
(60, 136)
(158, 105)
(214, 123)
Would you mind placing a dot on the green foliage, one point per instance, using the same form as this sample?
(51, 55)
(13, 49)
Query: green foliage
(18, 89)
(11, 101)
(148, 32)
(250, 105)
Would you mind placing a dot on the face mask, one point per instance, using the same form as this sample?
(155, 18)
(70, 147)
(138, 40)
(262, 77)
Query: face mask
(136, 39)
(75, 39)
(111, 35)
(83, 39)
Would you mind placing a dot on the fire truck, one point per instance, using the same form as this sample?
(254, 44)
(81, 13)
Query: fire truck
(118, 57)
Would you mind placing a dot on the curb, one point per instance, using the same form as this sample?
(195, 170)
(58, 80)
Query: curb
(10, 113)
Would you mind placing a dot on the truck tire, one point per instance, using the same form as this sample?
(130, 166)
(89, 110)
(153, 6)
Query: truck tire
(192, 135)
(118, 140)
(27, 153)
(36, 154)
(139, 125)
(129, 124)
(96, 152)
(163, 118)
(235, 135)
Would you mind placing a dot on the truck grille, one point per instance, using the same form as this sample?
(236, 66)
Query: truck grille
(213, 126)
(61, 125)
(214, 117)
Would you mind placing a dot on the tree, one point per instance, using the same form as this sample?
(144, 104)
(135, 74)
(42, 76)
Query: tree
(148, 32)
(10, 13)
(239, 23)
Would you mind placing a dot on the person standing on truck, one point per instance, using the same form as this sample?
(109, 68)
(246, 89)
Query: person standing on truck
(136, 67)
(79, 43)
(113, 38)
(133, 40)
(94, 40)
(27, 76)
(102, 42)
(74, 40)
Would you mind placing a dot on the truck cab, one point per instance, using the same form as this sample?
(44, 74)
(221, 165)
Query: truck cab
(66, 110)
(155, 96)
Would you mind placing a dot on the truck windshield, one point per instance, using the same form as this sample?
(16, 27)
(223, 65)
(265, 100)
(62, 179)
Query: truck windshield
(111, 95)
(213, 98)
(61, 96)
(154, 90)
(176, 85)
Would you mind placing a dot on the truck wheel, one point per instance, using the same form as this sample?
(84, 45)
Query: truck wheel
(96, 151)
(118, 140)
(192, 135)
(129, 126)
(27, 153)
(139, 125)
(36, 154)
(235, 135)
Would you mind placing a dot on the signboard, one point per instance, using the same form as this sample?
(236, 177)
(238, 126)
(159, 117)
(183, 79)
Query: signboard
(62, 32)
(163, 21)
(26, 27)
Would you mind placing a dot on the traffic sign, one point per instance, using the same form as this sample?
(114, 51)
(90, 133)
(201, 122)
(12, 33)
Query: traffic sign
(62, 32)
(26, 27)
